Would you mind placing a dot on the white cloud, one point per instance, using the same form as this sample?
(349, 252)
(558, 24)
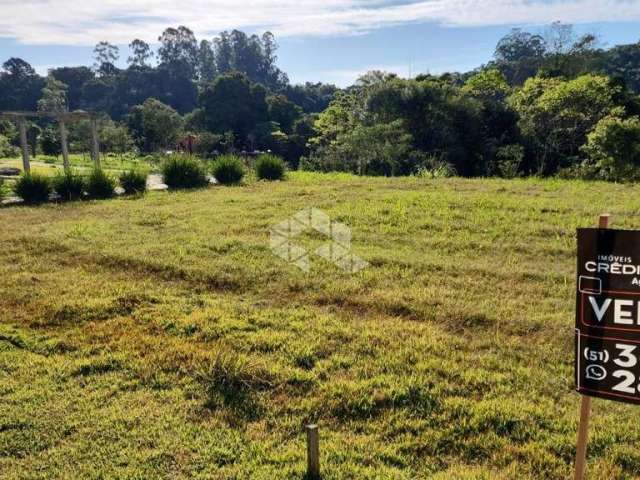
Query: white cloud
(83, 22)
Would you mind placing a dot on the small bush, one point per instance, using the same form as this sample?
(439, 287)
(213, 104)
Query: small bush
(100, 185)
(613, 148)
(270, 167)
(134, 182)
(510, 159)
(233, 375)
(5, 147)
(183, 172)
(234, 380)
(228, 169)
(437, 170)
(33, 188)
(207, 144)
(68, 186)
(582, 171)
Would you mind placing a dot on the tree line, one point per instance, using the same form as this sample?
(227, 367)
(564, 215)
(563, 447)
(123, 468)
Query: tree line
(545, 104)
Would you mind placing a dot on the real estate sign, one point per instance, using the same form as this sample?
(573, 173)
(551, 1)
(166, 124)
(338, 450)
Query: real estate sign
(607, 344)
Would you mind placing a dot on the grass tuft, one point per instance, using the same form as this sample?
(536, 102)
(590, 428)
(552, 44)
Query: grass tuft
(68, 185)
(100, 185)
(270, 167)
(33, 188)
(233, 375)
(228, 169)
(184, 172)
(133, 182)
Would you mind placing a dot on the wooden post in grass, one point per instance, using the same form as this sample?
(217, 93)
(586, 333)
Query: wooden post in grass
(585, 405)
(583, 435)
(95, 148)
(63, 144)
(313, 453)
(22, 125)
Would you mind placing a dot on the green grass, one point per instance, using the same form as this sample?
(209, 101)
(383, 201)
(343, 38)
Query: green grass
(160, 337)
(48, 165)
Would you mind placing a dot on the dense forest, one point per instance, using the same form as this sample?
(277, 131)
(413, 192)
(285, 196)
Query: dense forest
(551, 104)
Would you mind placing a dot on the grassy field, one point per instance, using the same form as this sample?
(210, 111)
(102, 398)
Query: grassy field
(48, 165)
(161, 338)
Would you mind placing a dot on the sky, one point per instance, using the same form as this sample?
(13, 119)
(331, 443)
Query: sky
(320, 40)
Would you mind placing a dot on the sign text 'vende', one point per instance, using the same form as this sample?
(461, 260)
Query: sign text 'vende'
(607, 361)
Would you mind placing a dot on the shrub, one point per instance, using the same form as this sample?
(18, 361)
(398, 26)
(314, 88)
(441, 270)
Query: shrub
(68, 185)
(207, 144)
(6, 150)
(434, 166)
(133, 182)
(33, 188)
(509, 158)
(235, 380)
(180, 171)
(100, 185)
(380, 149)
(613, 148)
(582, 171)
(228, 169)
(269, 167)
(232, 374)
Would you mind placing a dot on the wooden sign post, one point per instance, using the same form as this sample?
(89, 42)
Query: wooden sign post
(583, 437)
(585, 406)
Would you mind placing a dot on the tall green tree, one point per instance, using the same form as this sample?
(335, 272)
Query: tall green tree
(105, 56)
(140, 53)
(20, 85)
(311, 97)
(623, 61)
(223, 53)
(556, 115)
(497, 122)
(231, 103)
(154, 125)
(282, 111)
(54, 96)
(50, 141)
(98, 94)
(519, 55)
(206, 62)
(489, 84)
(613, 148)
(74, 78)
(179, 50)
(252, 55)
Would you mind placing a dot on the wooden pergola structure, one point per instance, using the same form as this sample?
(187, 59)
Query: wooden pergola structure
(62, 118)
